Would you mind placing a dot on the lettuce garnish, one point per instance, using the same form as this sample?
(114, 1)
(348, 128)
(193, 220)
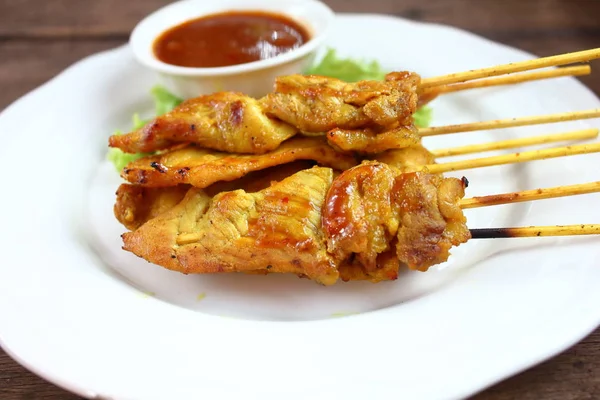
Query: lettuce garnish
(347, 69)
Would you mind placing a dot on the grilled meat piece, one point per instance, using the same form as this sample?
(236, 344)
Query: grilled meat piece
(371, 205)
(319, 104)
(359, 226)
(276, 229)
(201, 168)
(225, 121)
(233, 122)
(431, 220)
(369, 141)
(407, 158)
(359, 217)
(136, 204)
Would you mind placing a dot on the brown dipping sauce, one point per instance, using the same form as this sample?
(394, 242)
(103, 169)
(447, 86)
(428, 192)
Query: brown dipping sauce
(230, 38)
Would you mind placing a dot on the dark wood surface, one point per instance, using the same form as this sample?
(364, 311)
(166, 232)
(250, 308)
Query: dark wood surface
(39, 38)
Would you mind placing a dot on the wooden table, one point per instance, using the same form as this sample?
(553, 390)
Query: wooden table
(40, 38)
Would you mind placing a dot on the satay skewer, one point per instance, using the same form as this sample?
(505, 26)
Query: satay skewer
(498, 199)
(535, 231)
(516, 143)
(511, 122)
(530, 195)
(578, 70)
(510, 158)
(552, 61)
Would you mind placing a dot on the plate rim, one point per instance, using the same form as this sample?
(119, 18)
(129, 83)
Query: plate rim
(54, 82)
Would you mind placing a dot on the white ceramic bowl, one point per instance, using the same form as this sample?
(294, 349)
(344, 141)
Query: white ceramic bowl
(255, 78)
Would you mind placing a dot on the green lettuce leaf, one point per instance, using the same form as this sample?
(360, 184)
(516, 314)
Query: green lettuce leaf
(164, 101)
(347, 69)
(423, 117)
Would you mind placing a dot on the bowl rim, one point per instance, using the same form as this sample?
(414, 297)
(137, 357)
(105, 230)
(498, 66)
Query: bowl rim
(141, 43)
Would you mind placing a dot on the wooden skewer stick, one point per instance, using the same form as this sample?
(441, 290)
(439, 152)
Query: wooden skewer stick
(536, 231)
(512, 158)
(511, 122)
(530, 195)
(514, 143)
(563, 59)
(513, 79)
(487, 233)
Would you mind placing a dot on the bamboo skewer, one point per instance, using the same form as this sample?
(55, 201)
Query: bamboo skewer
(511, 158)
(487, 233)
(511, 122)
(530, 195)
(515, 143)
(511, 79)
(536, 231)
(563, 59)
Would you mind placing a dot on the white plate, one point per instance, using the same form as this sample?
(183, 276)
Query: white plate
(73, 308)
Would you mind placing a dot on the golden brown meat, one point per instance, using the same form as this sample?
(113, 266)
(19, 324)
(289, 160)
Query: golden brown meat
(359, 217)
(359, 226)
(136, 204)
(407, 158)
(319, 104)
(201, 168)
(276, 229)
(386, 269)
(259, 180)
(371, 205)
(431, 220)
(368, 141)
(225, 121)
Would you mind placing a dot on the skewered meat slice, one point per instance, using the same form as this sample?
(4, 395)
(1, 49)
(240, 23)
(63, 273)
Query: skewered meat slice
(386, 269)
(360, 226)
(359, 216)
(319, 104)
(431, 220)
(225, 121)
(407, 158)
(259, 180)
(369, 141)
(201, 168)
(276, 229)
(233, 122)
(136, 204)
(371, 204)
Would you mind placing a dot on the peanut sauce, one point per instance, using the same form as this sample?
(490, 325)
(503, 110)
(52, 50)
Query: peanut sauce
(229, 38)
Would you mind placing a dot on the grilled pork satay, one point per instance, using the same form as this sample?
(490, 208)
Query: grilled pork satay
(236, 123)
(407, 158)
(371, 205)
(319, 104)
(138, 204)
(370, 141)
(225, 121)
(201, 168)
(310, 224)
(386, 269)
(277, 229)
